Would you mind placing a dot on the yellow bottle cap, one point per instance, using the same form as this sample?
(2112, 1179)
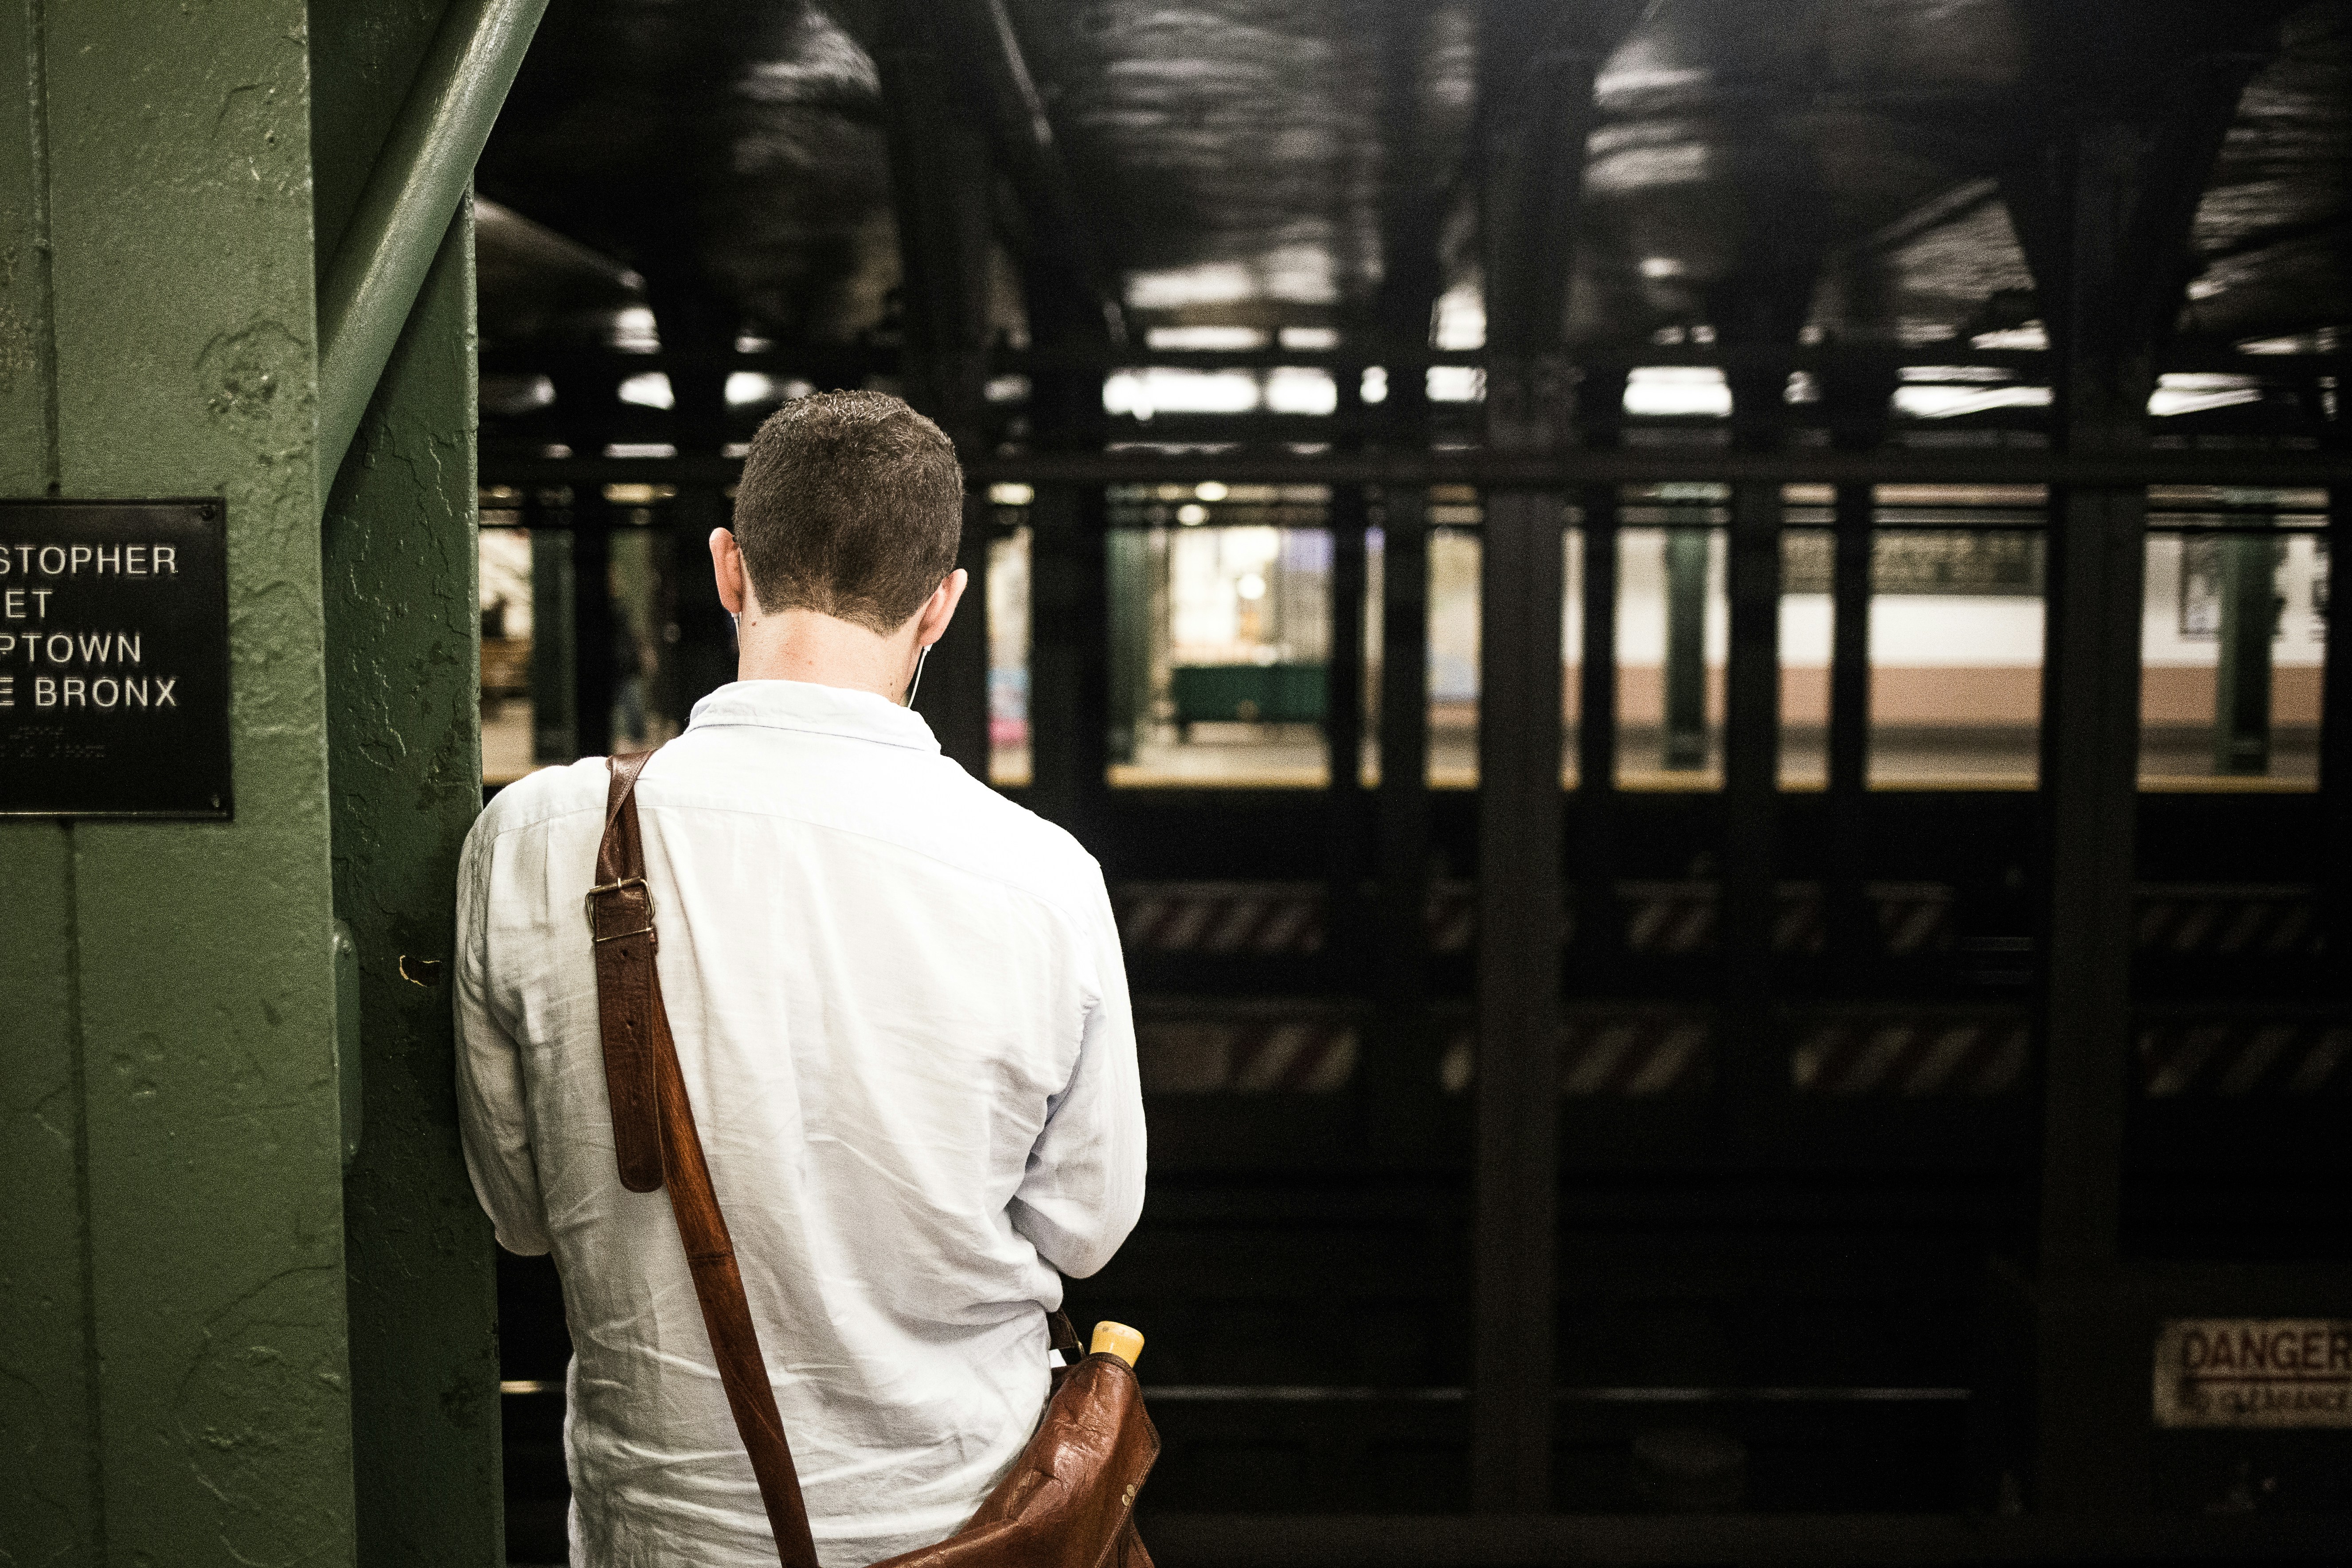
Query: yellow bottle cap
(1119, 1339)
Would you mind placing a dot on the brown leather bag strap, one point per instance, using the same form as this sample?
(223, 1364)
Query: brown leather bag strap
(628, 994)
(653, 1125)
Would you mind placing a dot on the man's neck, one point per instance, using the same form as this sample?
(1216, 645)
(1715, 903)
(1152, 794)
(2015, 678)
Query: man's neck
(823, 650)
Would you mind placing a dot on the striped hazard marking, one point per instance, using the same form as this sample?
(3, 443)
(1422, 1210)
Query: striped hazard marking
(1679, 917)
(1306, 1053)
(1221, 917)
(1626, 1056)
(1453, 916)
(1263, 916)
(2230, 1058)
(1909, 1054)
(1634, 1056)
(1668, 918)
(2187, 918)
(1642, 1053)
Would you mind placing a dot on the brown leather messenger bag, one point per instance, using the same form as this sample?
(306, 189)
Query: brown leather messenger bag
(1068, 1500)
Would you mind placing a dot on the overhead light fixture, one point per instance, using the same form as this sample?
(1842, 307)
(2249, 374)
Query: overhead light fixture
(650, 390)
(1678, 391)
(1211, 339)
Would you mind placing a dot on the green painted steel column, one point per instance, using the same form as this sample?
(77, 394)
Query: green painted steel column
(554, 724)
(50, 1497)
(405, 776)
(1685, 737)
(214, 1349)
(404, 755)
(176, 1380)
(2241, 685)
(1128, 566)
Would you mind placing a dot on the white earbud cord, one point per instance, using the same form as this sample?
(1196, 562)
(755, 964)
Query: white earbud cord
(915, 685)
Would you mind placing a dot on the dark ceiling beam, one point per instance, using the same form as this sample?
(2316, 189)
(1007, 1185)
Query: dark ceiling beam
(1552, 471)
(980, 33)
(2182, 353)
(2259, 240)
(993, 78)
(2101, 59)
(1947, 207)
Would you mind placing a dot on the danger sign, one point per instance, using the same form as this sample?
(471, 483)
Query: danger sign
(2255, 1372)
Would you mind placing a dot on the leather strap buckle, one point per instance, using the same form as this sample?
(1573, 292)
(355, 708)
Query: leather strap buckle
(622, 886)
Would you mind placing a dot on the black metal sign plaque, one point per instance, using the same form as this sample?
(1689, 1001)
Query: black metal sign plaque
(114, 658)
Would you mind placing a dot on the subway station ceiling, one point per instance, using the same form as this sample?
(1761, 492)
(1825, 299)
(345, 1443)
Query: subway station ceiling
(1235, 162)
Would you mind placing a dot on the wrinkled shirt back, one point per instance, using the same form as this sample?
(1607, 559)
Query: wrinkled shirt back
(903, 1022)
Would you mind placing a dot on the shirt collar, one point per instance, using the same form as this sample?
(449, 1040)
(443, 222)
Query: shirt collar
(821, 709)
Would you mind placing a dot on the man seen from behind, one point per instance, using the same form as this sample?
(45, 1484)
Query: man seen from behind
(902, 1019)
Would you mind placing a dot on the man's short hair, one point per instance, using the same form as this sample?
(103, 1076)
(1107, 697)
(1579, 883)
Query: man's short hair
(851, 504)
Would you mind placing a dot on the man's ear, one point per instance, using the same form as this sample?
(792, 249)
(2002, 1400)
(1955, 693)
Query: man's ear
(941, 608)
(727, 566)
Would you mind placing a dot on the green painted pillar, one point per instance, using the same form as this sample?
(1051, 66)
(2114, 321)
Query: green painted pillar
(214, 1348)
(1685, 671)
(401, 561)
(1129, 569)
(404, 767)
(554, 726)
(2241, 685)
(172, 1306)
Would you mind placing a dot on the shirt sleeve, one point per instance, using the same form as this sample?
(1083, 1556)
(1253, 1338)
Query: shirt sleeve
(490, 1120)
(1083, 1189)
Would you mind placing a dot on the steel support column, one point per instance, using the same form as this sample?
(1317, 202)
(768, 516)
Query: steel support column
(1858, 418)
(1400, 1077)
(555, 733)
(1682, 733)
(1536, 82)
(2106, 216)
(1400, 1070)
(2335, 699)
(2090, 727)
(1069, 670)
(1343, 742)
(588, 403)
(1127, 578)
(939, 175)
(698, 336)
(1599, 923)
(1749, 1053)
(1516, 1163)
(2241, 681)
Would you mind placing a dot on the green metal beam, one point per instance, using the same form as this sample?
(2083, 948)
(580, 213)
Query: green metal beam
(424, 171)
